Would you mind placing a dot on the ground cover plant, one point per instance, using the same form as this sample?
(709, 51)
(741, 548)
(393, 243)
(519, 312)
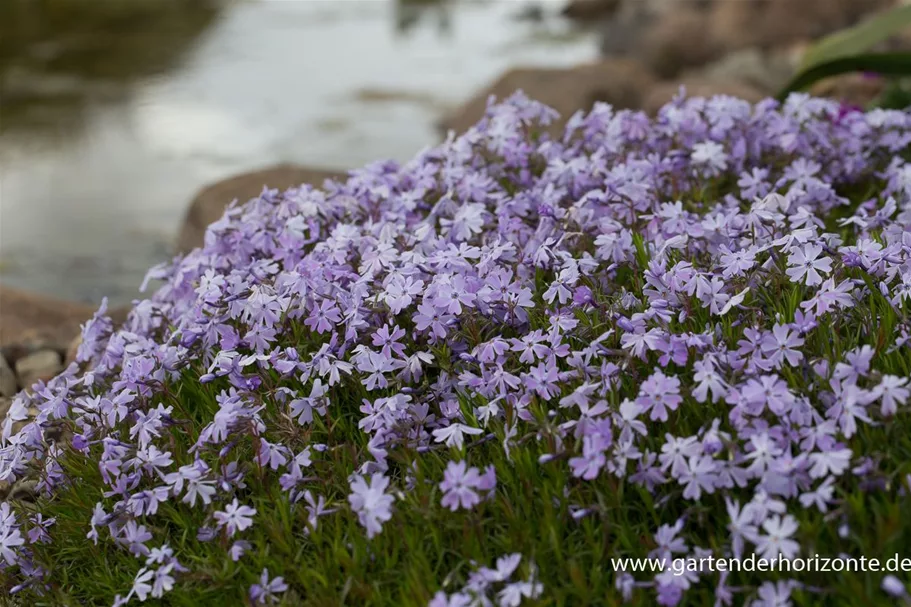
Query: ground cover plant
(476, 378)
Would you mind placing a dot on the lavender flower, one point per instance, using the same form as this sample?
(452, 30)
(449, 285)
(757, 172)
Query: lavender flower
(235, 517)
(370, 502)
(673, 308)
(461, 485)
(266, 591)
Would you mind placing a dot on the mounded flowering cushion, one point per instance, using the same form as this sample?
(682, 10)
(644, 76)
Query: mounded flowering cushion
(475, 378)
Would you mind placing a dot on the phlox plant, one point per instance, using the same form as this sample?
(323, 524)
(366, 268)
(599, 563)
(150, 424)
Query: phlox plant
(476, 378)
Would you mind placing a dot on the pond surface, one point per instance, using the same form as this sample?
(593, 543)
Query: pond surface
(100, 153)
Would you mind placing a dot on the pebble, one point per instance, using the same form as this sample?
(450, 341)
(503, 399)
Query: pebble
(25, 490)
(41, 365)
(7, 378)
(72, 350)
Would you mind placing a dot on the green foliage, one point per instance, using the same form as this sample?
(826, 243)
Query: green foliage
(858, 39)
(884, 64)
(424, 545)
(848, 51)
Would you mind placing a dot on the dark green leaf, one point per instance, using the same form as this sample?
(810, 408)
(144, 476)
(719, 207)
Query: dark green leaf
(858, 39)
(887, 64)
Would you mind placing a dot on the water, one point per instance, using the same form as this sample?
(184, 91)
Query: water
(100, 158)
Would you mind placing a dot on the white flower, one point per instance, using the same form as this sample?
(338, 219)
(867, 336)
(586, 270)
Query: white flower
(141, 586)
(235, 517)
(805, 263)
(453, 434)
(833, 462)
(371, 503)
(894, 587)
(736, 300)
(711, 155)
(741, 526)
(778, 541)
(163, 581)
(10, 537)
(892, 392)
(467, 221)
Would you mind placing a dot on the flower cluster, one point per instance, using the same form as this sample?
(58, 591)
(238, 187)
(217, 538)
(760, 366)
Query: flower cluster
(484, 583)
(706, 313)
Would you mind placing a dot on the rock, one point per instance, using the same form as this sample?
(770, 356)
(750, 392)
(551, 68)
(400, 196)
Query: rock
(697, 86)
(72, 350)
(621, 35)
(678, 40)
(853, 89)
(7, 379)
(620, 82)
(590, 10)
(765, 71)
(5, 403)
(529, 12)
(57, 431)
(43, 365)
(25, 490)
(730, 24)
(771, 23)
(630, 31)
(210, 203)
(785, 21)
(29, 320)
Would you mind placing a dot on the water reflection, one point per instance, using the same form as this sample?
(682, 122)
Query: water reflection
(408, 13)
(59, 56)
(149, 106)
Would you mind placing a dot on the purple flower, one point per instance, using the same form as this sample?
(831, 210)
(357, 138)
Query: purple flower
(428, 317)
(894, 587)
(658, 394)
(806, 265)
(323, 316)
(582, 296)
(892, 393)
(234, 517)
(10, 536)
(781, 346)
(562, 292)
(777, 538)
(237, 549)
(454, 434)
(700, 475)
(370, 502)
(266, 591)
(711, 156)
(767, 391)
(668, 542)
(38, 533)
(459, 486)
(134, 536)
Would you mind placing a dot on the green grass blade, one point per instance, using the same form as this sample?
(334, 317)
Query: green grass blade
(858, 39)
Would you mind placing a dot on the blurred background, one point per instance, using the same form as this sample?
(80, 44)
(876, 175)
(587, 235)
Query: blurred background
(115, 114)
